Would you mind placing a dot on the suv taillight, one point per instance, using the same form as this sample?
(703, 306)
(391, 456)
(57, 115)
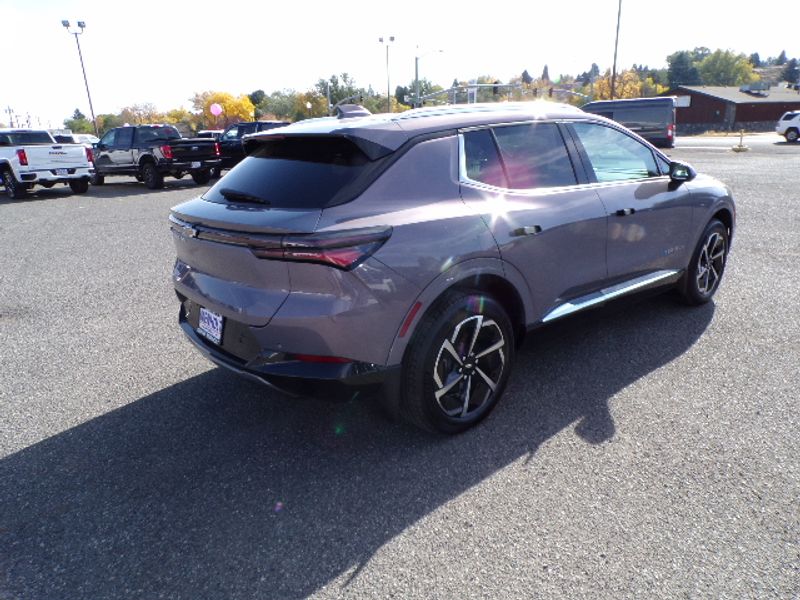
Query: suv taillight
(89, 155)
(342, 249)
(166, 150)
(22, 157)
(671, 130)
(216, 148)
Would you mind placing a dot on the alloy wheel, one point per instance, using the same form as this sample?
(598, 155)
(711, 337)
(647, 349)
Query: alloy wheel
(469, 367)
(710, 263)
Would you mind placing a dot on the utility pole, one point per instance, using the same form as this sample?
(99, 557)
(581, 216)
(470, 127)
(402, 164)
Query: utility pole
(616, 45)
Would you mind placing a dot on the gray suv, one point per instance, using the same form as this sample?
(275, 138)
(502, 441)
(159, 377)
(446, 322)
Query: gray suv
(414, 251)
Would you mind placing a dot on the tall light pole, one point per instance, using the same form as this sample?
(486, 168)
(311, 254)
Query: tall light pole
(417, 103)
(616, 44)
(76, 33)
(388, 41)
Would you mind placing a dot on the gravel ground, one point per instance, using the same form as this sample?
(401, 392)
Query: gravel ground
(645, 450)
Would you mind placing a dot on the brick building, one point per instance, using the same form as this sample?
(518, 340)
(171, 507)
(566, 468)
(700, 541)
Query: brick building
(730, 108)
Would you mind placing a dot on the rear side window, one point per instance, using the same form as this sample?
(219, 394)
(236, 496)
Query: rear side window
(613, 155)
(483, 161)
(518, 157)
(790, 115)
(294, 172)
(535, 156)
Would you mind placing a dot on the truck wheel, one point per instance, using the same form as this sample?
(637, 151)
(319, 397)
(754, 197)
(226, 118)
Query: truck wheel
(14, 189)
(201, 177)
(151, 177)
(79, 186)
(97, 179)
(178, 174)
(791, 135)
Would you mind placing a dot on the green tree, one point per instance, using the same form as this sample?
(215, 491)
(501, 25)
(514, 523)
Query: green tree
(280, 104)
(545, 74)
(79, 123)
(755, 59)
(341, 87)
(781, 60)
(791, 73)
(724, 67)
(682, 70)
(526, 77)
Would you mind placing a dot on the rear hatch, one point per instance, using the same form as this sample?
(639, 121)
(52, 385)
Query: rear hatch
(193, 149)
(235, 242)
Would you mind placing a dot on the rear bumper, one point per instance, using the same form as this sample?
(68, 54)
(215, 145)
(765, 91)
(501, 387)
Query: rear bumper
(188, 165)
(53, 176)
(283, 372)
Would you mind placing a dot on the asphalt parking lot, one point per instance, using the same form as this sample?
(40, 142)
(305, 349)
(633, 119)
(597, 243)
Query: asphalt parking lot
(645, 450)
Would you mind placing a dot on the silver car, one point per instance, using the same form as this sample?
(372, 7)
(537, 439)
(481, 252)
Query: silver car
(414, 251)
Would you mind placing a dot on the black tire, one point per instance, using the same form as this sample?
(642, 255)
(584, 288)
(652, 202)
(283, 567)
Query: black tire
(178, 174)
(79, 186)
(791, 135)
(216, 173)
(97, 179)
(14, 189)
(447, 392)
(705, 270)
(151, 177)
(201, 177)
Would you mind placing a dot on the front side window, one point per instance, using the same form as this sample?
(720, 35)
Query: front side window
(109, 138)
(231, 134)
(614, 156)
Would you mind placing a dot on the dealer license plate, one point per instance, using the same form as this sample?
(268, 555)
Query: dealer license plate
(62, 171)
(195, 165)
(210, 325)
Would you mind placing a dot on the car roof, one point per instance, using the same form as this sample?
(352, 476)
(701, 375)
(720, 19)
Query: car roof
(392, 130)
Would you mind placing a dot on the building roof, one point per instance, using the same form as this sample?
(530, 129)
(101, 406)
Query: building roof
(776, 94)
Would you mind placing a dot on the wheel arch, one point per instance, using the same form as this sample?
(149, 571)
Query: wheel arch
(726, 218)
(491, 276)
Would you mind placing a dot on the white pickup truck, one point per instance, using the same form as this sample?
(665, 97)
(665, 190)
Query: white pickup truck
(31, 157)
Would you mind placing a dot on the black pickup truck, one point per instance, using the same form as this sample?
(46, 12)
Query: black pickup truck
(150, 152)
(230, 142)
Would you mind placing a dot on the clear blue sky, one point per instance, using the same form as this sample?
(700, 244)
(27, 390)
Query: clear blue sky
(163, 52)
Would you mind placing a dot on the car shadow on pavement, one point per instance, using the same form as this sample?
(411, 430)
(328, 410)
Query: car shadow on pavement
(218, 488)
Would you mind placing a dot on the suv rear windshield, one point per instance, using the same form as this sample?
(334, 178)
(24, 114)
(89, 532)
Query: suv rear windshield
(295, 172)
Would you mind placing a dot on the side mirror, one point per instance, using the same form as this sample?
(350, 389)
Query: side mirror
(680, 172)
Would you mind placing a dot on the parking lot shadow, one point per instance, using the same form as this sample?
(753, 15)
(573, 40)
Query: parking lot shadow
(217, 488)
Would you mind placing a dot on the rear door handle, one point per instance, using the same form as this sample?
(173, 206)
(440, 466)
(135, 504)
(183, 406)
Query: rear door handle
(529, 230)
(624, 212)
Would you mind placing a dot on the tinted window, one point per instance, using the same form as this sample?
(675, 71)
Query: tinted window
(124, 137)
(483, 162)
(20, 138)
(613, 155)
(789, 116)
(534, 156)
(109, 138)
(231, 134)
(302, 172)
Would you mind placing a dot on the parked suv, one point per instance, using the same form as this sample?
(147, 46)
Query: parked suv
(789, 126)
(231, 141)
(417, 249)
